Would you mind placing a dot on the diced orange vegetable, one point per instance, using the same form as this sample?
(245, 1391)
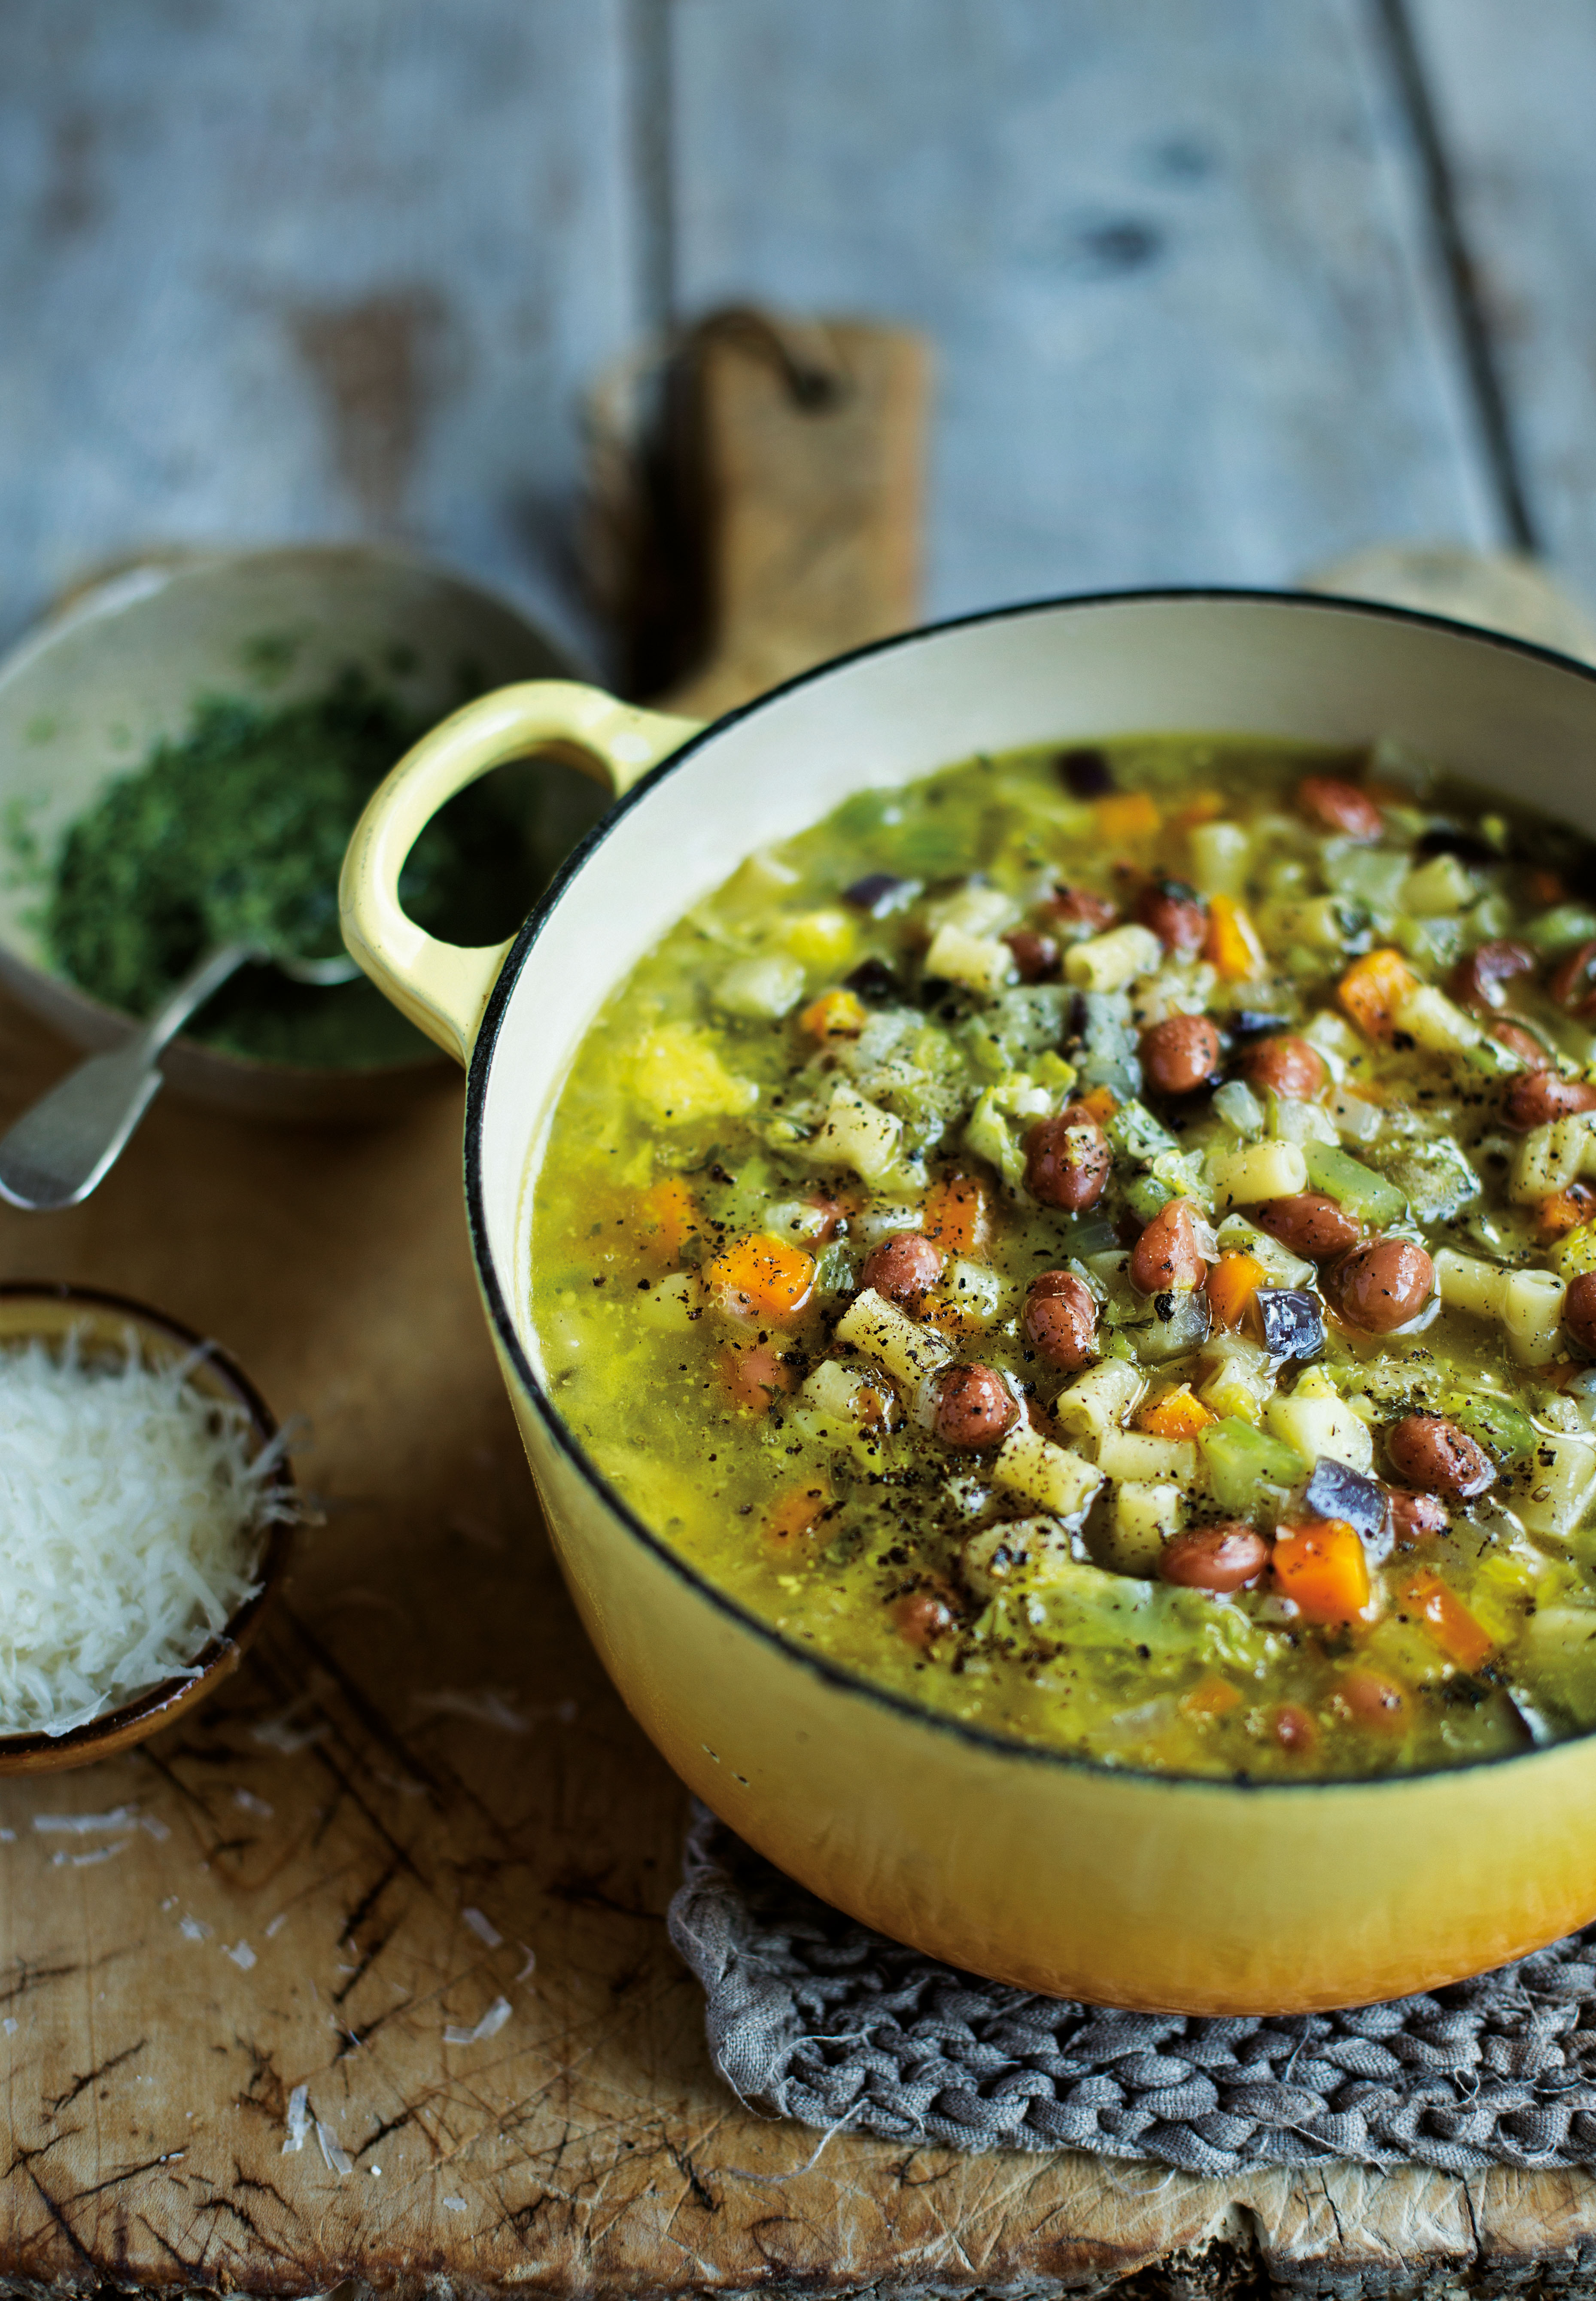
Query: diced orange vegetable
(1232, 949)
(755, 1375)
(1447, 1618)
(793, 1515)
(1202, 807)
(1101, 1103)
(1322, 1567)
(1374, 988)
(1231, 1284)
(1176, 1415)
(667, 1215)
(1128, 816)
(1211, 1699)
(761, 1277)
(1564, 1210)
(959, 1215)
(834, 1014)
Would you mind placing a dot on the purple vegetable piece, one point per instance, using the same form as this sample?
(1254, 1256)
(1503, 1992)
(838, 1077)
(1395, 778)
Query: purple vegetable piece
(1085, 772)
(1293, 1324)
(1246, 1023)
(874, 981)
(1336, 1490)
(874, 894)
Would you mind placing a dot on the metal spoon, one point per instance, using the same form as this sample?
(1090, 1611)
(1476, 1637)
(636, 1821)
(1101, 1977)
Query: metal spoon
(62, 1148)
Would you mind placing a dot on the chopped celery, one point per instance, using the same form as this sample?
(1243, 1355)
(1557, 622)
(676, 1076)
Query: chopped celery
(1500, 1428)
(1135, 1133)
(1145, 1196)
(1247, 1466)
(1352, 1185)
(1562, 928)
(1372, 874)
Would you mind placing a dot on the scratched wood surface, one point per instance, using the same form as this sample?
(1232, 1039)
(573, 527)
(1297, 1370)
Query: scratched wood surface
(1204, 305)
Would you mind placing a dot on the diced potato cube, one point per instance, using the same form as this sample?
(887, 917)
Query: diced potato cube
(1219, 857)
(974, 911)
(1060, 1482)
(857, 1134)
(821, 938)
(1259, 1170)
(675, 1303)
(1436, 888)
(761, 988)
(1316, 1421)
(1560, 1478)
(1106, 962)
(881, 1331)
(1146, 1513)
(1357, 1119)
(1138, 1454)
(956, 957)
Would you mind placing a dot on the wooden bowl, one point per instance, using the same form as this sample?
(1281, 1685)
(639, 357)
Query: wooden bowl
(39, 1310)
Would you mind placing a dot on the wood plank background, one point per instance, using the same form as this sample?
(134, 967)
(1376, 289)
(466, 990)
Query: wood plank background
(1218, 290)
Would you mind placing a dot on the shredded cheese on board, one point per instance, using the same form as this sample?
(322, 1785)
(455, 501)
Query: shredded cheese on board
(131, 1517)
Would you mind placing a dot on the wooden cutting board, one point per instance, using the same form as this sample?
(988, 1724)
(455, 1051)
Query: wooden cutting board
(414, 1858)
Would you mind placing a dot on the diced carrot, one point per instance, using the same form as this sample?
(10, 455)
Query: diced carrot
(1322, 1567)
(1447, 1618)
(1101, 1103)
(1178, 1414)
(1231, 1284)
(667, 1215)
(1232, 949)
(793, 1515)
(959, 1215)
(761, 1277)
(1564, 1210)
(1373, 989)
(1211, 1699)
(834, 1014)
(1202, 807)
(755, 1375)
(1127, 816)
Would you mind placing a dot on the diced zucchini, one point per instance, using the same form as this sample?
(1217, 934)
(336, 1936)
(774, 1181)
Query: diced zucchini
(1370, 874)
(1240, 1108)
(1178, 1323)
(1357, 1188)
(1247, 1469)
(1562, 928)
(1242, 1380)
(1356, 1118)
(1302, 1122)
(1440, 885)
(1145, 1196)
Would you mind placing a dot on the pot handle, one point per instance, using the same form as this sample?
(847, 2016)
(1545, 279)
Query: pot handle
(442, 988)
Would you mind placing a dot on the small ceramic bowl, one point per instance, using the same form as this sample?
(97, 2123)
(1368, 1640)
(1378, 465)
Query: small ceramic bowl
(34, 1311)
(123, 666)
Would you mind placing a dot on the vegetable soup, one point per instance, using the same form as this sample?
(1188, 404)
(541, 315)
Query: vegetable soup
(1098, 1242)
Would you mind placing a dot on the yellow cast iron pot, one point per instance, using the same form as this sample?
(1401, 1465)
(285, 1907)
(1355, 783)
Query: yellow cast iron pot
(1062, 1876)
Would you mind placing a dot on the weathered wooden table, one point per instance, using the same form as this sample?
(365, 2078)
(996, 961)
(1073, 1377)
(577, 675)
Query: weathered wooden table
(1217, 292)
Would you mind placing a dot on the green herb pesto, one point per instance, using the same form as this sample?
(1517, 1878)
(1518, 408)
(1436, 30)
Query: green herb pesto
(235, 831)
(830, 1152)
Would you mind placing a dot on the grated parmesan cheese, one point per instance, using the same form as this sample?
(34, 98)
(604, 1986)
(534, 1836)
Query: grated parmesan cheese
(130, 1513)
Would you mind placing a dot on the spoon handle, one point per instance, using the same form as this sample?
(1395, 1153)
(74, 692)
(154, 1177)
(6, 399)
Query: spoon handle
(64, 1146)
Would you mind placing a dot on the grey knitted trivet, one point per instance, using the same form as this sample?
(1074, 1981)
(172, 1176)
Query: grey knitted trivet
(811, 2016)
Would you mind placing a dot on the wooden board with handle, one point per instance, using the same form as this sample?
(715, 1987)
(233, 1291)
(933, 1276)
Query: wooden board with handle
(362, 1973)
